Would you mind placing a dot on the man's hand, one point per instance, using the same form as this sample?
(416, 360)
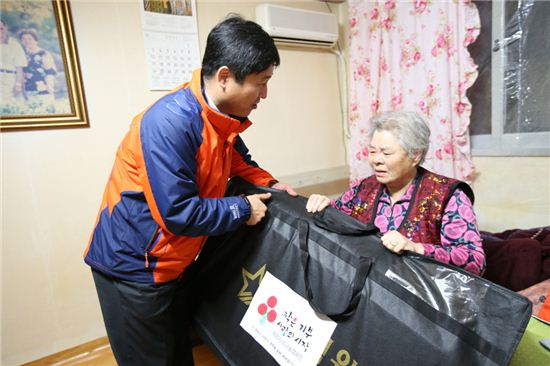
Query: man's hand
(257, 207)
(285, 187)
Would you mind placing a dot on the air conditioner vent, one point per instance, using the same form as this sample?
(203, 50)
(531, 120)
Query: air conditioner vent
(298, 26)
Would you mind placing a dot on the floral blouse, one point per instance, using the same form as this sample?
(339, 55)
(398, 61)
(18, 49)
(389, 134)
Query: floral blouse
(460, 238)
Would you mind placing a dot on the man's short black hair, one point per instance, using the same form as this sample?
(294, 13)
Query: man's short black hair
(241, 45)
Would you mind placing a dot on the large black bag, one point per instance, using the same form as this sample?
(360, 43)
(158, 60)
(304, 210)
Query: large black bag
(390, 309)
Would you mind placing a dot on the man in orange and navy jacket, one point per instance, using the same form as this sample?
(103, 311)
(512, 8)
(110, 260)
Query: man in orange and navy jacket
(165, 194)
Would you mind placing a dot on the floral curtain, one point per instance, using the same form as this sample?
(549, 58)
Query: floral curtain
(412, 55)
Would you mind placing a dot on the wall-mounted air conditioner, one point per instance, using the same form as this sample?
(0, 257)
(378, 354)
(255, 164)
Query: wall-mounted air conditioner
(294, 26)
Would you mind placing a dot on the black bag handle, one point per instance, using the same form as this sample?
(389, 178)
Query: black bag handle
(362, 269)
(337, 222)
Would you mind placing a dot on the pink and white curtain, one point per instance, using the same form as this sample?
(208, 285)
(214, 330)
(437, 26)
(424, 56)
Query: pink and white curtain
(412, 55)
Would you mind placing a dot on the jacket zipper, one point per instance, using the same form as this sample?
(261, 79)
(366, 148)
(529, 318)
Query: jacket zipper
(148, 246)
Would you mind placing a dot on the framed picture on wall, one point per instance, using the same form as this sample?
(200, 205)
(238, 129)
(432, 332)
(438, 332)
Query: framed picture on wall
(41, 85)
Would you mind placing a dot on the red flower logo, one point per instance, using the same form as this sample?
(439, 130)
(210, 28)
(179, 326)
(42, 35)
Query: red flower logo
(267, 310)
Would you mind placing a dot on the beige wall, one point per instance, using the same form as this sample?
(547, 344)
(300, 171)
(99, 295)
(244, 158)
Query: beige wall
(52, 180)
(512, 192)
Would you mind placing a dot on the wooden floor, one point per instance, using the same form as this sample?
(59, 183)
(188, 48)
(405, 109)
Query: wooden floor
(98, 353)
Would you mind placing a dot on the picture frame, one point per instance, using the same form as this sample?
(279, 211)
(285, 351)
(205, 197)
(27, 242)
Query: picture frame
(50, 93)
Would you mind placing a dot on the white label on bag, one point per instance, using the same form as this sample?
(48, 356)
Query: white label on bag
(285, 325)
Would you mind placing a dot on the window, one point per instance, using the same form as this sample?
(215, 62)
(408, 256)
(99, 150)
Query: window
(511, 97)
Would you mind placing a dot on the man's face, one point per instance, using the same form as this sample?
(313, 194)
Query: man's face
(241, 99)
(3, 32)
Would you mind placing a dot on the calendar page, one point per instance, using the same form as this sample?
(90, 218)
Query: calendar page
(171, 41)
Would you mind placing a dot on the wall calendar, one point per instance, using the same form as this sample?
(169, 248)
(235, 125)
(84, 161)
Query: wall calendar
(171, 41)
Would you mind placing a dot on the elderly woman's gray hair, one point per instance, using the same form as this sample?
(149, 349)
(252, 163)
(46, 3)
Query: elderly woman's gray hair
(410, 129)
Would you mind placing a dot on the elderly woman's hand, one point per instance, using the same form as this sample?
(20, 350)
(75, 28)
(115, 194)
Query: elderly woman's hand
(317, 202)
(397, 243)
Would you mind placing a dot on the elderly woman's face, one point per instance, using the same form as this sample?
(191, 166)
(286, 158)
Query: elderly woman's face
(28, 41)
(390, 162)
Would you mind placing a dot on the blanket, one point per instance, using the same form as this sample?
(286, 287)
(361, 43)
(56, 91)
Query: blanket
(517, 258)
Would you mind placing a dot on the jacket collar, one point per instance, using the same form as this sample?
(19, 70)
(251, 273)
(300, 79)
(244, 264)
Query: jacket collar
(224, 125)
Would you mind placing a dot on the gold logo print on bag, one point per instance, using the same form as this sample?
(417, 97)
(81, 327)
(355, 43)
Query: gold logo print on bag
(244, 294)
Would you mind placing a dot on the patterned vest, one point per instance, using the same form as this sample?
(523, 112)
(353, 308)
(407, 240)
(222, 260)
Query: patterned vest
(422, 222)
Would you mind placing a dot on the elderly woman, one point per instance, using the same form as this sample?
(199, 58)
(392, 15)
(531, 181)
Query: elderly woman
(416, 210)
